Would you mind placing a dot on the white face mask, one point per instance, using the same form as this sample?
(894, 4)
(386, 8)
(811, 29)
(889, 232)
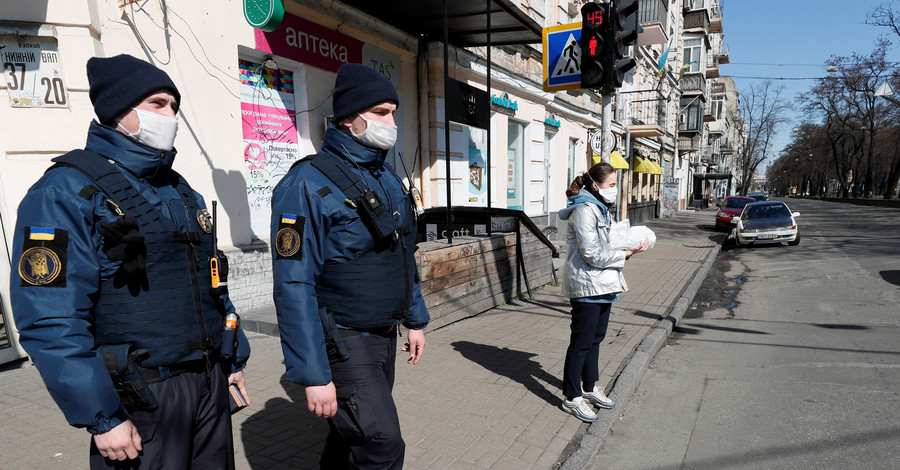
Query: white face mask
(380, 135)
(155, 130)
(608, 195)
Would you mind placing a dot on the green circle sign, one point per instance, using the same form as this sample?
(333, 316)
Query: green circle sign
(264, 14)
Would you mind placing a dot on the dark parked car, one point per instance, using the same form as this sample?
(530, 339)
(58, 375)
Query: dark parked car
(759, 196)
(732, 206)
(766, 222)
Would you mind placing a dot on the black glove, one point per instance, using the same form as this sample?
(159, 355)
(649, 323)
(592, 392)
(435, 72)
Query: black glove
(125, 242)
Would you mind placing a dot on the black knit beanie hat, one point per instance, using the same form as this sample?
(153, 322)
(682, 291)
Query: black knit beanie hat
(358, 87)
(118, 83)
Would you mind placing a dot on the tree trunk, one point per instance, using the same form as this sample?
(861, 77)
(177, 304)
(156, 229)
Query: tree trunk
(894, 176)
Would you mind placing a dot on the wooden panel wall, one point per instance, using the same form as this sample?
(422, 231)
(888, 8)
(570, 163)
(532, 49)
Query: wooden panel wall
(478, 273)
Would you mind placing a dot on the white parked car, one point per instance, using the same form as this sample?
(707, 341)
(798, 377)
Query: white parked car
(766, 222)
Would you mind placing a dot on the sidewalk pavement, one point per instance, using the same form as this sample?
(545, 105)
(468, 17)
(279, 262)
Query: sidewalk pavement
(486, 394)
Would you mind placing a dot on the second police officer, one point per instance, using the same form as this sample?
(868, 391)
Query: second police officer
(343, 235)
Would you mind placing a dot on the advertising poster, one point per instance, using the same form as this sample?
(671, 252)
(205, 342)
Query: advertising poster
(270, 136)
(477, 179)
(670, 197)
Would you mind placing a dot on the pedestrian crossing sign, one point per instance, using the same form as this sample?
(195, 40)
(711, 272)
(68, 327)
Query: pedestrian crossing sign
(562, 57)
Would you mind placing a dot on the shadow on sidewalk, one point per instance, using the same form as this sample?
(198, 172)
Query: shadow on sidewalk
(284, 434)
(515, 365)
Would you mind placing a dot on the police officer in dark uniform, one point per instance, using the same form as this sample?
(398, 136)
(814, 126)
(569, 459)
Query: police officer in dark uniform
(114, 296)
(343, 236)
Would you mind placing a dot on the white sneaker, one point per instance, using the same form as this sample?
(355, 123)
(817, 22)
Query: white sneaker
(579, 408)
(597, 397)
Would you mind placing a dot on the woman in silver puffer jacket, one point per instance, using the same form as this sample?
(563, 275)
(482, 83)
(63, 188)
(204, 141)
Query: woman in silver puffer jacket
(592, 279)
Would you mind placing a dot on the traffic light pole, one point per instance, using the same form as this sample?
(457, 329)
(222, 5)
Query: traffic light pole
(606, 127)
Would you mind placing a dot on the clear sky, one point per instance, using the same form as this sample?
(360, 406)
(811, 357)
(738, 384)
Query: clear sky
(794, 38)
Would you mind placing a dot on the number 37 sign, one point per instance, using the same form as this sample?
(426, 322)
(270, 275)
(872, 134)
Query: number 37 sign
(33, 72)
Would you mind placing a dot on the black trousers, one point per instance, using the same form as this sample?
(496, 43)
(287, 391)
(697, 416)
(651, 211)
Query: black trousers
(365, 432)
(588, 328)
(191, 429)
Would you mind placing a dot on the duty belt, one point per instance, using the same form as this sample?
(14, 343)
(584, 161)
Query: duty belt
(158, 374)
(385, 331)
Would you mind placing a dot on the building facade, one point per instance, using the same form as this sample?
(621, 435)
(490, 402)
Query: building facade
(254, 102)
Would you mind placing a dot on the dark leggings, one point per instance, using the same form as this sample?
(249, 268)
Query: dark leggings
(588, 328)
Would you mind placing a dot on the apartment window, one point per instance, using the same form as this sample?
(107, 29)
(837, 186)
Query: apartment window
(692, 53)
(691, 114)
(717, 107)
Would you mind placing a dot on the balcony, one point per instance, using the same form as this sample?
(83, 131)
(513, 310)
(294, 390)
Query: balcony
(687, 144)
(693, 83)
(696, 21)
(712, 67)
(717, 88)
(653, 16)
(647, 118)
(716, 126)
(715, 18)
(723, 54)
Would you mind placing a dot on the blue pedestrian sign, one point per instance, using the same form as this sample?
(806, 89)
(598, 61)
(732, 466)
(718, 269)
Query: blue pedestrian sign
(562, 57)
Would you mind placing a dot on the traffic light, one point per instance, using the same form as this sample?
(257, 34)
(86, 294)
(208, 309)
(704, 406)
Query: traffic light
(623, 32)
(592, 39)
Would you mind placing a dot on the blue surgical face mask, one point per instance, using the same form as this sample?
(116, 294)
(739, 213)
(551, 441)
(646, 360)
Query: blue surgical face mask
(155, 130)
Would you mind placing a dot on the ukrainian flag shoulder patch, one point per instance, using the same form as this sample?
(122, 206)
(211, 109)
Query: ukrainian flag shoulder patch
(289, 239)
(44, 257)
(42, 233)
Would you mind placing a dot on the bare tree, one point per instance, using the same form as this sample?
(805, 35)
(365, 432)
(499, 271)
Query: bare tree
(763, 112)
(860, 76)
(839, 129)
(886, 16)
(804, 163)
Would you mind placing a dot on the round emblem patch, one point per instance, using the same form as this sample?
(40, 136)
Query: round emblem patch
(39, 266)
(287, 242)
(204, 220)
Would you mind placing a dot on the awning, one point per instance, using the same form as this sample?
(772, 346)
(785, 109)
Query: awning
(657, 170)
(467, 20)
(641, 165)
(616, 160)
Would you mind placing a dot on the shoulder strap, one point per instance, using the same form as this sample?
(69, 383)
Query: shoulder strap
(340, 174)
(108, 177)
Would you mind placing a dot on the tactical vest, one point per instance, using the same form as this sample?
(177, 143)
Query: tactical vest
(172, 311)
(364, 292)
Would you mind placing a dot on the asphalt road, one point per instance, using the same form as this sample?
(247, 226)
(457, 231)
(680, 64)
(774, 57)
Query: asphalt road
(788, 358)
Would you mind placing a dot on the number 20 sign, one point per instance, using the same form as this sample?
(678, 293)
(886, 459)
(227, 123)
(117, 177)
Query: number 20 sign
(33, 72)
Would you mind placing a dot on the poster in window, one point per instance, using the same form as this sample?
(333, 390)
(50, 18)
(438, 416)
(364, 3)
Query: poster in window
(477, 178)
(270, 136)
